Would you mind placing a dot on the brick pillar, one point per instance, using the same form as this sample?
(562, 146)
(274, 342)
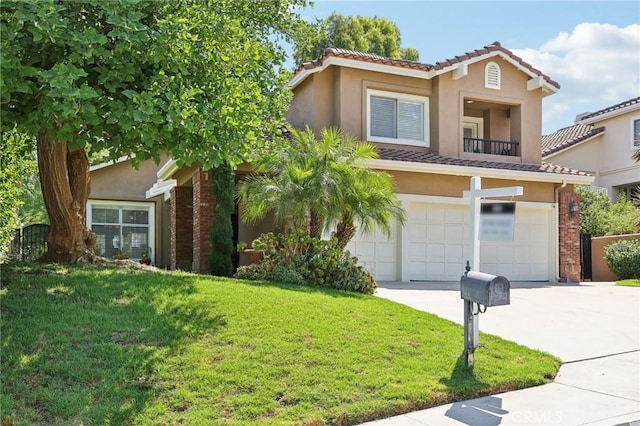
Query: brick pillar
(202, 220)
(181, 227)
(569, 237)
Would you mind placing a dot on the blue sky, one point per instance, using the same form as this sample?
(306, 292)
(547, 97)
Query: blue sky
(592, 48)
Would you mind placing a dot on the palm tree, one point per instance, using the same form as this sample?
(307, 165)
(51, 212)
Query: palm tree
(316, 184)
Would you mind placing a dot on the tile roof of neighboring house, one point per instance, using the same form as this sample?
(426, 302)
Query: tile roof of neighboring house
(568, 136)
(403, 63)
(613, 108)
(414, 156)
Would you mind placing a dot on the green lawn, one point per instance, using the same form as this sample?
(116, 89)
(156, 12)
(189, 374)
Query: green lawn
(629, 283)
(114, 346)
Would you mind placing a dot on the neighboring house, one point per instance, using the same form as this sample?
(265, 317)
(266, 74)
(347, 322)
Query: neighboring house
(435, 127)
(603, 144)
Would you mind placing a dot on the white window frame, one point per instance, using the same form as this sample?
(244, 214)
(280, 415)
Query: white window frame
(634, 145)
(476, 125)
(124, 204)
(487, 82)
(424, 100)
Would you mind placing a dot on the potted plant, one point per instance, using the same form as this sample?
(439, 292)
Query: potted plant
(120, 255)
(145, 257)
(255, 256)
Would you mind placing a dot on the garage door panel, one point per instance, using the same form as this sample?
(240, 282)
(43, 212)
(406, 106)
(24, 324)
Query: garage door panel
(437, 237)
(418, 231)
(454, 232)
(419, 212)
(448, 239)
(417, 250)
(386, 250)
(454, 252)
(377, 252)
(436, 213)
(435, 252)
(417, 270)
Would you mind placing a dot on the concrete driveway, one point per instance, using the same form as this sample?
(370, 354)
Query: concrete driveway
(571, 321)
(594, 328)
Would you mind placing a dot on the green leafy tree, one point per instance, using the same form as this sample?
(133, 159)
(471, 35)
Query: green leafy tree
(201, 81)
(359, 33)
(315, 184)
(599, 216)
(16, 162)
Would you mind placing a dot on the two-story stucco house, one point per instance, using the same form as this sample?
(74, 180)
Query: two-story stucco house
(602, 143)
(435, 127)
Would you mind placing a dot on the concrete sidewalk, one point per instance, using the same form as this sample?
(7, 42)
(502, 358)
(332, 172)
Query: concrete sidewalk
(593, 327)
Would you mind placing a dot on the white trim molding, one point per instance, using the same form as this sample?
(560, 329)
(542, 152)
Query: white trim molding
(120, 204)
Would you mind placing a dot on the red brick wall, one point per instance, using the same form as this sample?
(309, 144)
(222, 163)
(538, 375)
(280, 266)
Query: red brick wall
(569, 238)
(202, 220)
(181, 227)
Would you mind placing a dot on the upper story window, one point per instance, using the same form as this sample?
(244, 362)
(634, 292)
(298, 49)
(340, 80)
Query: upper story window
(397, 118)
(492, 76)
(635, 133)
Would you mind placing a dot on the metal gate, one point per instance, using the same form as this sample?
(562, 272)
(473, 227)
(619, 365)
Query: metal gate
(586, 270)
(30, 242)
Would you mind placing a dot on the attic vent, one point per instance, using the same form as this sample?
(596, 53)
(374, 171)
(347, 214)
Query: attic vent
(492, 76)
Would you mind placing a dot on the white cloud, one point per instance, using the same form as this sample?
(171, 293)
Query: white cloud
(597, 65)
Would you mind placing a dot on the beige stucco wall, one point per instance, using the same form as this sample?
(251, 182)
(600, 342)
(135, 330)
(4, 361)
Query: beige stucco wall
(600, 269)
(513, 92)
(453, 186)
(337, 96)
(607, 156)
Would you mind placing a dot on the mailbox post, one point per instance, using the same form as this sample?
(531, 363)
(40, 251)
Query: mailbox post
(478, 289)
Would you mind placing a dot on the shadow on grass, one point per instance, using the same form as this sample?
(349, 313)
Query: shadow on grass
(84, 348)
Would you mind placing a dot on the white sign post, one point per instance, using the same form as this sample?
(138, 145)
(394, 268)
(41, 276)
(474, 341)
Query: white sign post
(475, 194)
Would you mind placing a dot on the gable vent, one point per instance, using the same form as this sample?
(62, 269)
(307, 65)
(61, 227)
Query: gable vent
(492, 76)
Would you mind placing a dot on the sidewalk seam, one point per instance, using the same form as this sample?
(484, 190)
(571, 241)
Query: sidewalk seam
(601, 356)
(601, 393)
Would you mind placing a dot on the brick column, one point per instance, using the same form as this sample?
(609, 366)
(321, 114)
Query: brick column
(202, 220)
(569, 237)
(181, 227)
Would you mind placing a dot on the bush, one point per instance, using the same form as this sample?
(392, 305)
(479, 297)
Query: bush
(623, 258)
(294, 257)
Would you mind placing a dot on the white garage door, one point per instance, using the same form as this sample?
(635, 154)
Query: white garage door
(434, 246)
(377, 253)
(438, 238)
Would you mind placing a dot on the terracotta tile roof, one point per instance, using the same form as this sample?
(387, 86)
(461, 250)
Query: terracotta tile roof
(399, 154)
(493, 47)
(611, 108)
(403, 63)
(567, 137)
(361, 56)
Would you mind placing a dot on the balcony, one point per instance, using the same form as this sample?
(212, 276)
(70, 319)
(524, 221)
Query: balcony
(490, 146)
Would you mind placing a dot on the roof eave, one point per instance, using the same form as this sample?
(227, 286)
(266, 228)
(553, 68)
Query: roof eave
(547, 88)
(608, 115)
(358, 64)
(446, 169)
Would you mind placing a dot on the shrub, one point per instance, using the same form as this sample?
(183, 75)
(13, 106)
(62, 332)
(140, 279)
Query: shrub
(623, 258)
(297, 258)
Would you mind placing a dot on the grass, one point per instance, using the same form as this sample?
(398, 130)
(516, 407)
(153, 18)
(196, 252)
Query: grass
(629, 283)
(112, 346)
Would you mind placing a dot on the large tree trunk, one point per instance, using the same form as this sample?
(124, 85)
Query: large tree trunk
(64, 178)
